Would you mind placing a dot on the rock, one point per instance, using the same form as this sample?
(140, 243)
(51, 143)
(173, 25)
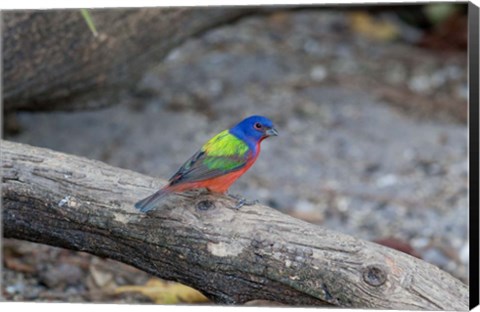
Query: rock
(435, 256)
(318, 73)
(420, 242)
(62, 275)
(465, 253)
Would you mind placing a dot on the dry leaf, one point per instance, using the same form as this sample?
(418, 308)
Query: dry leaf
(370, 27)
(311, 217)
(163, 292)
(18, 265)
(102, 279)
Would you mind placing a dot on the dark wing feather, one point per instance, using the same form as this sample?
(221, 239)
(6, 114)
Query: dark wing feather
(222, 154)
(203, 167)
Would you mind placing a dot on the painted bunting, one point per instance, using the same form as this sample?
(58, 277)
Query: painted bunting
(220, 161)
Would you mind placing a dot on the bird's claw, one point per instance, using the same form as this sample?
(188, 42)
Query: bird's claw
(241, 201)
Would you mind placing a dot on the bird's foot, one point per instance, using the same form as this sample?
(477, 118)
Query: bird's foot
(245, 202)
(241, 201)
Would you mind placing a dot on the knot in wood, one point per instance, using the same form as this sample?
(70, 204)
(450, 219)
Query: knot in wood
(205, 205)
(374, 275)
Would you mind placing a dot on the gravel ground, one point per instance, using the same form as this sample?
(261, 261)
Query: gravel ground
(373, 141)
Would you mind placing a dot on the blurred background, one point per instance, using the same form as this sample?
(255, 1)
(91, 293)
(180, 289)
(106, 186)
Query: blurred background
(371, 106)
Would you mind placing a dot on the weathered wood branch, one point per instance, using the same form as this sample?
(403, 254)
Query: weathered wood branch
(51, 60)
(198, 239)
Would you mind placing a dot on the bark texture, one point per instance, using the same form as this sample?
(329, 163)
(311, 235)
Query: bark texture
(198, 239)
(51, 60)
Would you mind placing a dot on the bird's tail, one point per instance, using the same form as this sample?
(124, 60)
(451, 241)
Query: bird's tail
(151, 201)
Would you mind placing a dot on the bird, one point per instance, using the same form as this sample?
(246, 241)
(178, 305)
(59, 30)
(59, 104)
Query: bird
(219, 162)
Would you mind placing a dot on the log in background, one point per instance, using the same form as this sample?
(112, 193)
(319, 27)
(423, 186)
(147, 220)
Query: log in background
(51, 60)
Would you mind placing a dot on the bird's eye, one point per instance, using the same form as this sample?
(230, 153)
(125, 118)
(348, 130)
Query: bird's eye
(258, 125)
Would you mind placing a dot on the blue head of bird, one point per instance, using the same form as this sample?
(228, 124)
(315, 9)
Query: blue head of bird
(254, 129)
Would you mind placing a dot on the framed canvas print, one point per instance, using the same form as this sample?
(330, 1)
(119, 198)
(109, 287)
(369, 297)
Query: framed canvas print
(300, 155)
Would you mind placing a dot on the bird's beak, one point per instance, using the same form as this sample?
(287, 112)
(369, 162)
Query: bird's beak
(271, 132)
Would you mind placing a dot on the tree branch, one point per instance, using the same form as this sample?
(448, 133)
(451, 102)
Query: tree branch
(198, 239)
(53, 62)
